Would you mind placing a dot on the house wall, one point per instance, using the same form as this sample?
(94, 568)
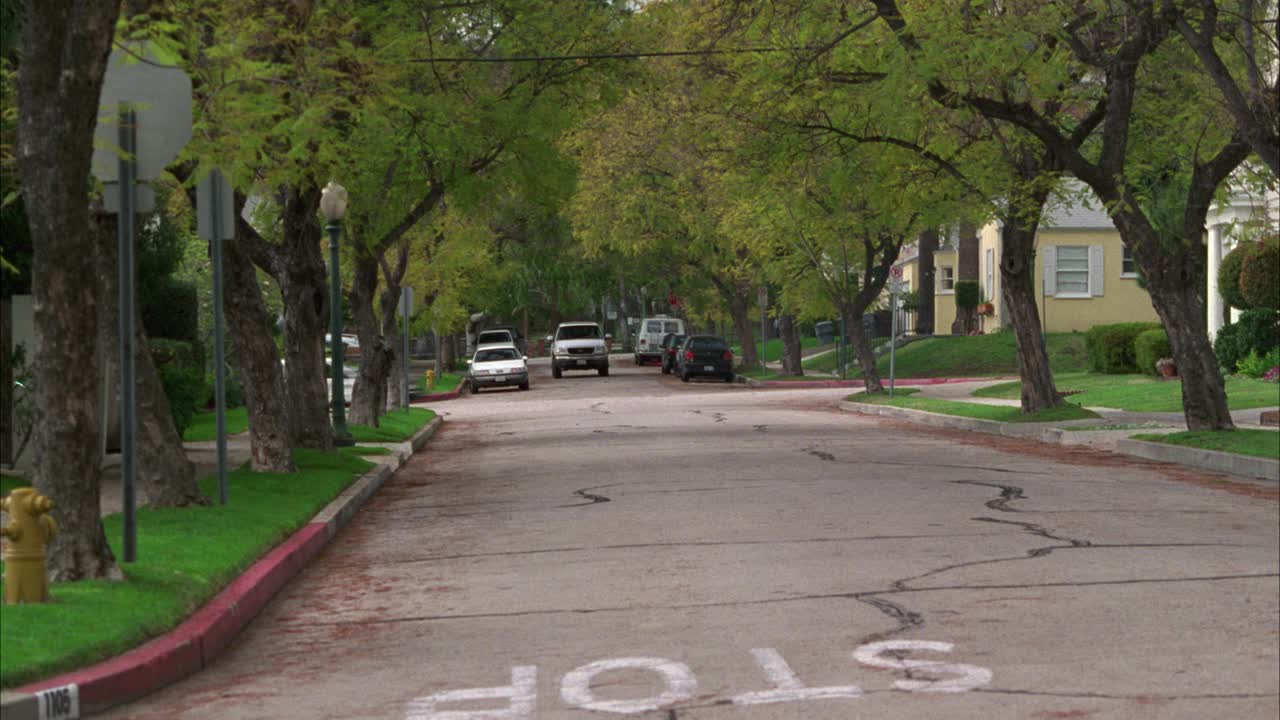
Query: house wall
(1121, 300)
(944, 301)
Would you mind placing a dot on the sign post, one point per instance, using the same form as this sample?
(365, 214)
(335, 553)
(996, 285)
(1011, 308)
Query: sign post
(762, 295)
(152, 101)
(406, 310)
(895, 289)
(215, 222)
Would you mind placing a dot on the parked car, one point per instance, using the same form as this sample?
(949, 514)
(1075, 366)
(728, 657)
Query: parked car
(496, 336)
(517, 337)
(579, 346)
(498, 365)
(704, 355)
(649, 336)
(670, 344)
(350, 345)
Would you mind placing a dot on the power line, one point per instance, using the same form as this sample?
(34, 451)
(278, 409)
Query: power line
(609, 56)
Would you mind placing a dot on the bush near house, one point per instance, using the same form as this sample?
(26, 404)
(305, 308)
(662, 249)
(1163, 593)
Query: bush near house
(1260, 276)
(181, 369)
(1150, 346)
(967, 294)
(1229, 275)
(1111, 347)
(1257, 331)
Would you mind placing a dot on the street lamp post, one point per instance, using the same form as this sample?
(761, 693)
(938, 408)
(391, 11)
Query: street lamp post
(333, 205)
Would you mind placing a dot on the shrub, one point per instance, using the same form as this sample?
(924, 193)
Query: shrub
(173, 311)
(1148, 347)
(1229, 276)
(967, 294)
(1260, 276)
(1111, 347)
(1256, 330)
(180, 368)
(1255, 365)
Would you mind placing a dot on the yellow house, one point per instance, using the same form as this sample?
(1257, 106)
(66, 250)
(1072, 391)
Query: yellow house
(1084, 274)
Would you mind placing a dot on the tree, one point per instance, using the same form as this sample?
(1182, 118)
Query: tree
(65, 44)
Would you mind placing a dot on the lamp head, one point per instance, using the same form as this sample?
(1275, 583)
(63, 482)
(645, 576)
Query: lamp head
(333, 202)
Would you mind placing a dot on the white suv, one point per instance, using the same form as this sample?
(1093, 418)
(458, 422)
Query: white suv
(650, 333)
(579, 346)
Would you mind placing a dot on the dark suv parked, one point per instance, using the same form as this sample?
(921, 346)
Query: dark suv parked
(702, 355)
(670, 344)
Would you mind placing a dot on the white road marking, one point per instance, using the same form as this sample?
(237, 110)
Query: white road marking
(968, 676)
(522, 693)
(787, 687)
(679, 685)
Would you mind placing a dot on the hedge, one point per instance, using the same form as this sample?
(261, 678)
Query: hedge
(180, 367)
(173, 312)
(1150, 346)
(1257, 331)
(1229, 276)
(1111, 347)
(967, 294)
(1260, 276)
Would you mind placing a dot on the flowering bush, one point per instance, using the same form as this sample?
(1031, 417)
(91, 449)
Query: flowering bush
(1273, 375)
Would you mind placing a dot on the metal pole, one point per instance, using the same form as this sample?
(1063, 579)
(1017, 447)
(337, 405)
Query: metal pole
(843, 335)
(219, 350)
(764, 364)
(404, 299)
(893, 335)
(341, 437)
(128, 420)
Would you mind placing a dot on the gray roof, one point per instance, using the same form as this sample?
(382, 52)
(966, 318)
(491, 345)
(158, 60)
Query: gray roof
(1075, 208)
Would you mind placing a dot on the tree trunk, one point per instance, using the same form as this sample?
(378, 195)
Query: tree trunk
(862, 348)
(791, 358)
(739, 310)
(393, 343)
(302, 280)
(1017, 288)
(370, 388)
(1174, 278)
(64, 57)
(257, 359)
(166, 476)
(928, 244)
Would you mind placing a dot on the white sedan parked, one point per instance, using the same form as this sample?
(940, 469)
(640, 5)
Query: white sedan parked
(498, 365)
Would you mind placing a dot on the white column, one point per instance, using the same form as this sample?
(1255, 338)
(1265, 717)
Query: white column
(1213, 297)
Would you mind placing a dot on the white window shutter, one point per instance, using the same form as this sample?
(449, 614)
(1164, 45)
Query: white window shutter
(1051, 270)
(1095, 270)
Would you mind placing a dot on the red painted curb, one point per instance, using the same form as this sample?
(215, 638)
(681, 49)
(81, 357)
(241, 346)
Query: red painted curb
(860, 383)
(192, 645)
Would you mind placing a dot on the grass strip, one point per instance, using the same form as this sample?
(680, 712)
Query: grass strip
(185, 556)
(446, 382)
(903, 398)
(395, 426)
(964, 356)
(1143, 393)
(1242, 441)
(8, 483)
(773, 348)
(774, 374)
(204, 425)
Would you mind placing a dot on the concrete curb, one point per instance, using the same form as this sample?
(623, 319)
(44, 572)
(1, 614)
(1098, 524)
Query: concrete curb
(194, 644)
(1213, 460)
(908, 382)
(437, 397)
(1204, 459)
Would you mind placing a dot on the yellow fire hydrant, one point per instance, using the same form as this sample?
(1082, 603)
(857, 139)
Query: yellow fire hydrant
(431, 380)
(30, 528)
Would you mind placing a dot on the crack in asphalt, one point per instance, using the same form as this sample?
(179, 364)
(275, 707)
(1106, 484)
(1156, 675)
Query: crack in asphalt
(1036, 530)
(1109, 696)
(599, 407)
(821, 455)
(1008, 493)
(592, 499)
(858, 596)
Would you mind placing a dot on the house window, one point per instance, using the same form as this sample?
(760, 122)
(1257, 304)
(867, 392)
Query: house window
(946, 279)
(1072, 275)
(991, 275)
(1127, 267)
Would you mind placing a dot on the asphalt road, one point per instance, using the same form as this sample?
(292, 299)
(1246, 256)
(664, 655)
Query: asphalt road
(634, 546)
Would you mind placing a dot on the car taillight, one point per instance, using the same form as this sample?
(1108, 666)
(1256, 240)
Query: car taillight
(688, 354)
(728, 355)
(643, 342)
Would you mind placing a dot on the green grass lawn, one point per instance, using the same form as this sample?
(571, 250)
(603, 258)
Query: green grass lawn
(395, 426)
(773, 348)
(774, 374)
(1260, 443)
(185, 556)
(903, 398)
(1143, 393)
(971, 356)
(204, 424)
(446, 382)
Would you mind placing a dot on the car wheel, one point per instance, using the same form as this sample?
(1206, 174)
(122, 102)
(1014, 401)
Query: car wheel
(665, 371)
(684, 376)
(728, 378)
(524, 386)
(475, 389)
(555, 370)
(604, 371)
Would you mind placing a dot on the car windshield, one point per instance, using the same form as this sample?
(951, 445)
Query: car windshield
(675, 340)
(579, 332)
(494, 336)
(671, 326)
(495, 354)
(653, 326)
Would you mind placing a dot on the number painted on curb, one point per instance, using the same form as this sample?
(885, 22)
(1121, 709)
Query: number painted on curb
(60, 703)
(679, 684)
